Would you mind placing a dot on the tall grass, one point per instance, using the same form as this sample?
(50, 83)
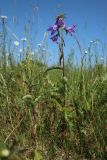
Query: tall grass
(32, 111)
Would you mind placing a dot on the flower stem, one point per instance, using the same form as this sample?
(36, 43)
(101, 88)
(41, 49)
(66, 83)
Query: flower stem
(62, 64)
(4, 43)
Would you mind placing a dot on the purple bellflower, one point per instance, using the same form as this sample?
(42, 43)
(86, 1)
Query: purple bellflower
(53, 29)
(55, 38)
(70, 29)
(59, 24)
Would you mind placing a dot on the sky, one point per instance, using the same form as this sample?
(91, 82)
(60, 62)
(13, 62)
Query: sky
(90, 16)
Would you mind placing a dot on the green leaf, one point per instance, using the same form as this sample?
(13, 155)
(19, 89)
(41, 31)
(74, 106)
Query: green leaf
(37, 155)
(28, 96)
(37, 99)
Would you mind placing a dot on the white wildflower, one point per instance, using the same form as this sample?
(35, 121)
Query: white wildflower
(24, 39)
(86, 52)
(36, 50)
(102, 58)
(3, 17)
(32, 53)
(4, 153)
(16, 43)
(39, 45)
(20, 50)
(91, 41)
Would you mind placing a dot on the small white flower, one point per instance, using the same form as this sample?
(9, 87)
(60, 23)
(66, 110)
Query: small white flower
(102, 58)
(20, 50)
(5, 153)
(86, 52)
(91, 41)
(28, 46)
(39, 45)
(24, 39)
(3, 17)
(16, 43)
(36, 50)
(96, 42)
(18, 55)
(44, 49)
(32, 53)
(65, 79)
(7, 53)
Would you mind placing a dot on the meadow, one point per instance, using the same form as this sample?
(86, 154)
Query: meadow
(57, 113)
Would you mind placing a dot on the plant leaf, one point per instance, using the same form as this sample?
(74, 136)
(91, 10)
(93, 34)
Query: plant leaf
(37, 155)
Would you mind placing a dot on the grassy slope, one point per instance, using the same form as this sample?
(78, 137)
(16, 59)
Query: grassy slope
(33, 123)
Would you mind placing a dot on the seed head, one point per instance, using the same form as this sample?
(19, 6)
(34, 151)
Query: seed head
(4, 153)
(3, 17)
(16, 43)
(24, 39)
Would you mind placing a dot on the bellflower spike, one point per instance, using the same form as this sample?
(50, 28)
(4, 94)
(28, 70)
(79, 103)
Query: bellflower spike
(59, 24)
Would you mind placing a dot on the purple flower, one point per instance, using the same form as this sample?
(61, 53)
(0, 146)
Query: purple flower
(53, 29)
(60, 23)
(70, 29)
(55, 38)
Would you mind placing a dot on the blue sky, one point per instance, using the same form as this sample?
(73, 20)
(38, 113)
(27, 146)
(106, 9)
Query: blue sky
(89, 15)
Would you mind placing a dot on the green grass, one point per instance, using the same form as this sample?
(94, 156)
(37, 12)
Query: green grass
(34, 123)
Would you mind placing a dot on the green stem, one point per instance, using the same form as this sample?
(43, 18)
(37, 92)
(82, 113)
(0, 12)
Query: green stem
(4, 41)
